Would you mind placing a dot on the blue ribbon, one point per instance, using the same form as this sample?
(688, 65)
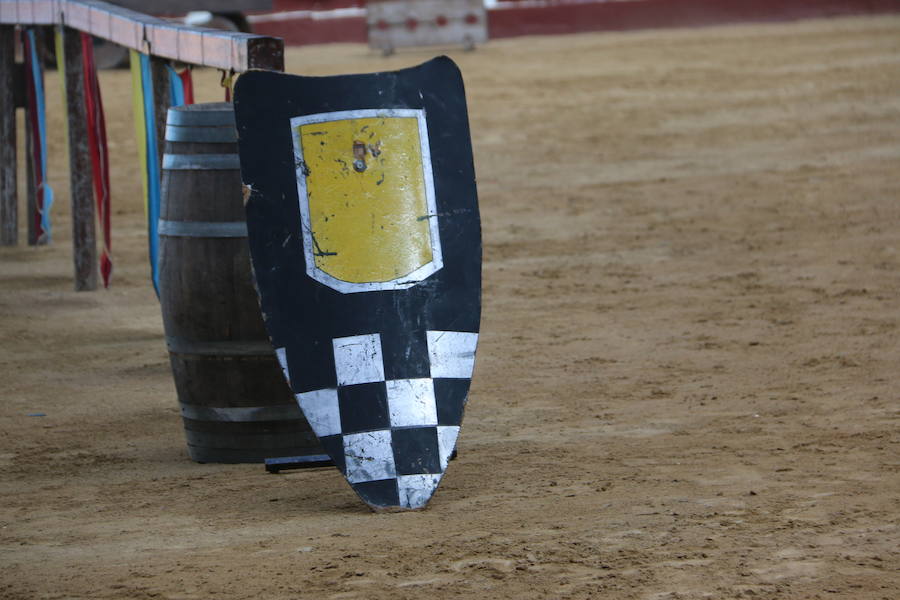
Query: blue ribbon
(153, 181)
(42, 130)
(176, 87)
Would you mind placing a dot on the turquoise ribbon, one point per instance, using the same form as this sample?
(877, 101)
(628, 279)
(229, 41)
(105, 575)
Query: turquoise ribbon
(42, 131)
(153, 173)
(176, 87)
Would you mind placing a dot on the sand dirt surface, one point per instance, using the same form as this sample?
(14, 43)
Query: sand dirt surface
(687, 383)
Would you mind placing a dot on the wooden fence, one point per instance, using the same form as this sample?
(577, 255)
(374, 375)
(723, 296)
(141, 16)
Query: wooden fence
(161, 40)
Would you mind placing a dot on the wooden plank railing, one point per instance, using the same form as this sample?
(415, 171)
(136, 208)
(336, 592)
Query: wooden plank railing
(206, 47)
(163, 41)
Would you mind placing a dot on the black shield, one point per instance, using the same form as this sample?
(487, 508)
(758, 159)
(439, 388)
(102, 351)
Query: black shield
(366, 245)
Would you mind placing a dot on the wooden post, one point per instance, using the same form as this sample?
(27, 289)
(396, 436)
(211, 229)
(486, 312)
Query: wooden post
(30, 191)
(160, 76)
(80, 178)
(9, 217)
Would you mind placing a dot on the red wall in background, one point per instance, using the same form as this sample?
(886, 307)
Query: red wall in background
(303, 29)
(565, 16)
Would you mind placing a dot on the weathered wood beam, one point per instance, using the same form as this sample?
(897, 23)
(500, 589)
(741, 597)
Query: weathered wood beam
(231, 51)
(161, 92)
(80, 174)
(9, 215)
(30, 191)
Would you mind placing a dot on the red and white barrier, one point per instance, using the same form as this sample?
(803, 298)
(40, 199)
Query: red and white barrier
(404, 23)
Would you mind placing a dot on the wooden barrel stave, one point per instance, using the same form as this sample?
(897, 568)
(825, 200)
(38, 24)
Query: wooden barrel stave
(236, 406)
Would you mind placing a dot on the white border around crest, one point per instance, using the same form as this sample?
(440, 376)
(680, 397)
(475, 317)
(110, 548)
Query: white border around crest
(346, 287)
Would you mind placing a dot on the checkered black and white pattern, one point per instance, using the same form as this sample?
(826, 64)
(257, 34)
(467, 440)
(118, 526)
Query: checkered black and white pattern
(392, 438)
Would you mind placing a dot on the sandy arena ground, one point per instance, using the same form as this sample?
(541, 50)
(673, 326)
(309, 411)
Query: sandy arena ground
(687, 381)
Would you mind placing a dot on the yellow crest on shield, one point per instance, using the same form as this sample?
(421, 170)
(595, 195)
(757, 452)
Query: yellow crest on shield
(367, 201)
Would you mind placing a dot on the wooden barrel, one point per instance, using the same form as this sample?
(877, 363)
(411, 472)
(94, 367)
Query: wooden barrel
(235, 403)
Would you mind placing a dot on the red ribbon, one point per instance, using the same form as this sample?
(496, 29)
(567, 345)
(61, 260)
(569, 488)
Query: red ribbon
(187, 83)
(99, 151)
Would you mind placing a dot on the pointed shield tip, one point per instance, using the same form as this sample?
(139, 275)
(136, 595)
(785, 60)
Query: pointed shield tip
(414, 493)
